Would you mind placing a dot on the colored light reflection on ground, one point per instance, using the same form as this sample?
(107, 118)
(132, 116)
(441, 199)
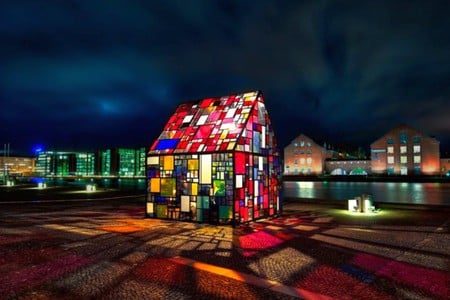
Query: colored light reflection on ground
(432, 281)
(110, 251)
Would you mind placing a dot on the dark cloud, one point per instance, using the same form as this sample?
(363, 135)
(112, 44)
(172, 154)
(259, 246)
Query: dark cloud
(90, 74)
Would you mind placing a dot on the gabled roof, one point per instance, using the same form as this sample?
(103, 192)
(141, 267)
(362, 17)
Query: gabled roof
(211, 124)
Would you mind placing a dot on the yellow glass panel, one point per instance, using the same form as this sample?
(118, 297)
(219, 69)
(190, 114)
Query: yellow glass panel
(231, 146)
(224, 134)
(193, 164)
(155, 185)
(168, 163)
(194, 189)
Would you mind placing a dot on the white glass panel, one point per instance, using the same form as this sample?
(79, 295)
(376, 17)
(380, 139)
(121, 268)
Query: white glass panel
(202, 120)
(150, 207)
(205, 168)
(153, 160)
(263, 139)
(185, 203)
(239, 181)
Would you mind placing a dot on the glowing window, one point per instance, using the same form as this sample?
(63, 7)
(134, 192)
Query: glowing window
(309, 161)
(390, 160)
(416, 148)
(302, 161)
(417, 159)
(403, 159)
(390, 149)
(402, 149)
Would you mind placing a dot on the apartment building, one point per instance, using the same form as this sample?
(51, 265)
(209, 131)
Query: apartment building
(405, 151)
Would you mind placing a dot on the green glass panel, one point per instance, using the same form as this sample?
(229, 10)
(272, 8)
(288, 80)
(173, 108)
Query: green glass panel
(168, 187)
(219, 187)
(161, 211)
(225, 212)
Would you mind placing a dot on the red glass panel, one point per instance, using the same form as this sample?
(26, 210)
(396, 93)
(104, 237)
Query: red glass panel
(203, 131)
(239, 163)
(224, 146)
(244, 213)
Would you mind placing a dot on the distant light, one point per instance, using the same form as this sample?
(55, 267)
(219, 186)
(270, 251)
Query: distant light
(91, 188)
(37, 149)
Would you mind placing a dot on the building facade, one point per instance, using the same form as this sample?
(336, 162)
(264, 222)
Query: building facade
(216, 161)
(16, 165)
(119, 162)
(405, 151)
(303, 156)
(445, 166)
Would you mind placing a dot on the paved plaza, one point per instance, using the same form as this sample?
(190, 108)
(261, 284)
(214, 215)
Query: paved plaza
(106, 249)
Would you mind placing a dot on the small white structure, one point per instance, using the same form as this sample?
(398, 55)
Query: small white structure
(91, 188)
(361, 204)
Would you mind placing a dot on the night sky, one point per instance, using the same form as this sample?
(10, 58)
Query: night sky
(85, 75)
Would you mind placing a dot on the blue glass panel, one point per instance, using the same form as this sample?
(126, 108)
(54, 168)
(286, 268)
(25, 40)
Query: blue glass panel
(167, 144)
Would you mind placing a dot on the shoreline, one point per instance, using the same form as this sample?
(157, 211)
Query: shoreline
(368, 178)
(378, 204)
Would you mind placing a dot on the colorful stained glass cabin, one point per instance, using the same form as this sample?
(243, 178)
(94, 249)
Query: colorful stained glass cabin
(216, 161)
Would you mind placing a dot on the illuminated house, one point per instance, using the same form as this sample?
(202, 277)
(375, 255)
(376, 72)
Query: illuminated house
(304, 157)
(405, 151)
(216, 161)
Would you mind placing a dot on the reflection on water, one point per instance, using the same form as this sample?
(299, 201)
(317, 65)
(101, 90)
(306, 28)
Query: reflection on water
(394, 192)
(107, 183)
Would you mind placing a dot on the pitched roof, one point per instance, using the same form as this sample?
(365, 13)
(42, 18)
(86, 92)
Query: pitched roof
(211, 124)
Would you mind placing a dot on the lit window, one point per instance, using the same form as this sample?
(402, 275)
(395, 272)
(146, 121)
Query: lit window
(403, 159)
(302, 143)
(390, 149)
(390, 159)
(302, 161)
(417, 159)
(402, 149)
(295, 144)
(308, 144)
(416, 148)
(309, 161)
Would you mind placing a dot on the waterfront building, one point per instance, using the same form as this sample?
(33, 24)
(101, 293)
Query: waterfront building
(121, 162)
(65, 163)
(117, 162)
(16, 165)
(303, 156)
(405, 151)
(348, 166)
(445, 166)
(215, 161)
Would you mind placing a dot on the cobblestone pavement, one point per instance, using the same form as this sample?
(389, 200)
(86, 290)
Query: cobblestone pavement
(108, 250)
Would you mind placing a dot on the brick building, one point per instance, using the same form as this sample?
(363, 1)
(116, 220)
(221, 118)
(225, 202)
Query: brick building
(405, 151)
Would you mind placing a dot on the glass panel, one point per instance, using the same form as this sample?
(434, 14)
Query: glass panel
(168, 163)
(205, 168)
(219, 188)
(168, 187)
(185, 205)
(155, 185)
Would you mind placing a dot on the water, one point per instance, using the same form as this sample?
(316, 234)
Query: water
(390, 192)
